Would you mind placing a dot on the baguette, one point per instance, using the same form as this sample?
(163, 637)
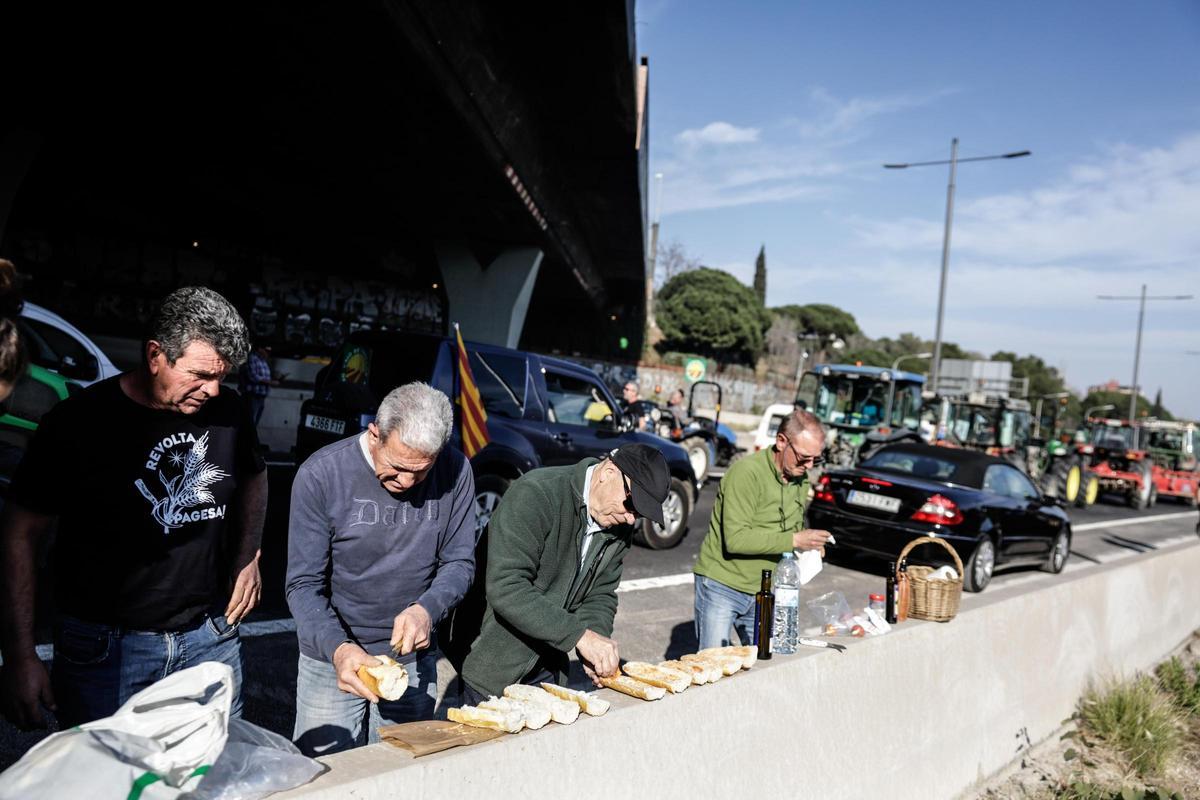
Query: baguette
(727, 664)
(387, 680)
(588, 703)
(673, 680)
(564, 712)
(507, 721)
(700, 673)
(748, 655)
(634, 687)
(536, 716)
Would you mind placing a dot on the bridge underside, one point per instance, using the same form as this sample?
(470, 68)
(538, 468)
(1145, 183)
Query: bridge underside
(318, 161)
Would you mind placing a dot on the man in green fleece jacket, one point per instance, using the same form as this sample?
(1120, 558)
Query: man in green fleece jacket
(758, 515)
(556, 544)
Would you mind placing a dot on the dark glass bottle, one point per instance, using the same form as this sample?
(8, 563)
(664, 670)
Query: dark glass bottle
(891, 594)
(764, 616)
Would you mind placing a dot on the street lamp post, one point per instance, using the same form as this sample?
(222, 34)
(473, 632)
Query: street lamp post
(896, 363)
(953, 162)
(1137, 352)
(1106, 407)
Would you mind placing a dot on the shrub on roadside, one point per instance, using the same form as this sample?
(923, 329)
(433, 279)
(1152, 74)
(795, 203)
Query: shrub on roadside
(1137, 719)
(1183, 688)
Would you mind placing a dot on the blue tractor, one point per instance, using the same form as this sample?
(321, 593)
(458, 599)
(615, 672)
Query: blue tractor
(862, 408)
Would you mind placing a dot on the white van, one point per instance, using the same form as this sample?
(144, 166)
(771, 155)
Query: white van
(57, 345)
(768, 426)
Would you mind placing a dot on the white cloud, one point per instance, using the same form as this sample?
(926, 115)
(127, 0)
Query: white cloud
(723, 165)
(717, 133)
(1127, 208)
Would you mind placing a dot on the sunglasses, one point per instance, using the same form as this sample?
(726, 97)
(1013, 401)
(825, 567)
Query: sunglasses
(801, 460)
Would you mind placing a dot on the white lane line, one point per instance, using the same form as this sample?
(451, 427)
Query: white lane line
(1117, 523)
(655, 583)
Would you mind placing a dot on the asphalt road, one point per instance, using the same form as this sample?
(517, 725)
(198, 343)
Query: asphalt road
(654, 619)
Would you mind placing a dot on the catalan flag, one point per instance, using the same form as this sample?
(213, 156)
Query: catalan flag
(474, 418)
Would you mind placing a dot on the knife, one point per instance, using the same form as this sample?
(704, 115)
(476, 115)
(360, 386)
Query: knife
(841, 648)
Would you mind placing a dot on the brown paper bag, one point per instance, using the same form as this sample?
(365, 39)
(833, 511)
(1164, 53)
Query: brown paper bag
(433, 736)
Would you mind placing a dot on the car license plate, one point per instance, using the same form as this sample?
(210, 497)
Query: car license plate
(880, 502)
(325, 424)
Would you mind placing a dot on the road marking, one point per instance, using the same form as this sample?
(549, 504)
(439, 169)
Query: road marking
(655, 583)
(1117, 523)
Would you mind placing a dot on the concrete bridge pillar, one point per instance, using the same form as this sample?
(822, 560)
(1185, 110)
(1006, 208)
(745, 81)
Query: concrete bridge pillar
(489, 301)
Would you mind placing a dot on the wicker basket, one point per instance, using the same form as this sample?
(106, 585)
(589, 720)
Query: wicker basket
(936, 601)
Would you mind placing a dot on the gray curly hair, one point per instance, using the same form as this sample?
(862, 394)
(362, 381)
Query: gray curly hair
(197, 314)
(419, 414)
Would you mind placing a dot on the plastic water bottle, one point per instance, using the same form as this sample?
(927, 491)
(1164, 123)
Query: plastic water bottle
(787, 605)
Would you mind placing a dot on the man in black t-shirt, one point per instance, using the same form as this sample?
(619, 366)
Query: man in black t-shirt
(159, 494)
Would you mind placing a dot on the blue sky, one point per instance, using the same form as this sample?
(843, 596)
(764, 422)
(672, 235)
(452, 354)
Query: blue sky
(770, 121)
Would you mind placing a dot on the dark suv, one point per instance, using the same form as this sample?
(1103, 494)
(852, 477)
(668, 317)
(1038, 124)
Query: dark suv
(542, 411)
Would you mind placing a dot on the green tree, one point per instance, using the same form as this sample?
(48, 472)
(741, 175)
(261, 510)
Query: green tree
(760, 275)
(1120, 405)
(820, 318)
(1043, 378)
(869, 356)
(707, 311)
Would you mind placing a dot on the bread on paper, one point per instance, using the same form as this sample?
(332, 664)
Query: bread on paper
(511, 721)
(388, 680)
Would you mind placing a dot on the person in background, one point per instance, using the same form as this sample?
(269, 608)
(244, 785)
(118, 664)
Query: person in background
(14, 358)
(255, 380)
(155, 559)
(381, 545)
(758, 515)
(677, 405)
(631, 393)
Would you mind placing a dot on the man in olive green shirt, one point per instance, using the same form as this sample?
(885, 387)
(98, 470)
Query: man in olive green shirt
(758, 515)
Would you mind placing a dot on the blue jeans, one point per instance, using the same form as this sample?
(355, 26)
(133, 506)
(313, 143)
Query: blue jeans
(719, 609)
(329, 720)
(97, 667)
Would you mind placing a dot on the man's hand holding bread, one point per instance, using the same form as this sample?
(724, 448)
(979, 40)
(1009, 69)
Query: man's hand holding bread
(598, 654)
(346, 661)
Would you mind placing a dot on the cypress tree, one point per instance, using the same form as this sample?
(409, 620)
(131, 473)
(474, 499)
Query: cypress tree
(760, 275)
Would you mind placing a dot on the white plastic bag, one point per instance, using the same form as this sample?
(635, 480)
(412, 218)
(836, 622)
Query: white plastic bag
(254, 764)
(157, 745)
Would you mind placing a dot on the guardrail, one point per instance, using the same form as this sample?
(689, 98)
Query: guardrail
(927, 711)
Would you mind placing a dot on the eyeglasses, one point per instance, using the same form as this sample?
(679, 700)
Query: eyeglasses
(802, 460)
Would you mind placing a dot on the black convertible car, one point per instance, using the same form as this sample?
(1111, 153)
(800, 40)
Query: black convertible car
(983, 506)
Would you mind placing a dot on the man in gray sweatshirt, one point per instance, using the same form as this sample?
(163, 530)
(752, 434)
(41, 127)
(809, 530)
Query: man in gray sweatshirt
(381, 545)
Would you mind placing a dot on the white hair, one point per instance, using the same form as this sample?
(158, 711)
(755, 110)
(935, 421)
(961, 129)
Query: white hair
(419, 414)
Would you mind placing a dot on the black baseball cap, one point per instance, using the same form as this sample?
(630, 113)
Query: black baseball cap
(649, 478)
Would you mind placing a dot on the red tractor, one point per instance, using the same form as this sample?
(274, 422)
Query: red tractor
(1172, 448)
(1111, 454)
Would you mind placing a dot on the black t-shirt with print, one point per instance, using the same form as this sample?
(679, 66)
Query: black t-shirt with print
(145, 501)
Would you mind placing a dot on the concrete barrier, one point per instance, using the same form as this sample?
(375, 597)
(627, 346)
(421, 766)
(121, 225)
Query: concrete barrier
(927, 711)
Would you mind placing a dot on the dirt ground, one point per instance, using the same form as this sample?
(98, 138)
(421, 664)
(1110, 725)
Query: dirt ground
(1071, 756)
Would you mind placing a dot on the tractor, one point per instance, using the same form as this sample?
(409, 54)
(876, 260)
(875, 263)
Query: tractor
(862, 407)
(1111, 450)
(1005, 427)
(707, 441)
(1172, 449)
